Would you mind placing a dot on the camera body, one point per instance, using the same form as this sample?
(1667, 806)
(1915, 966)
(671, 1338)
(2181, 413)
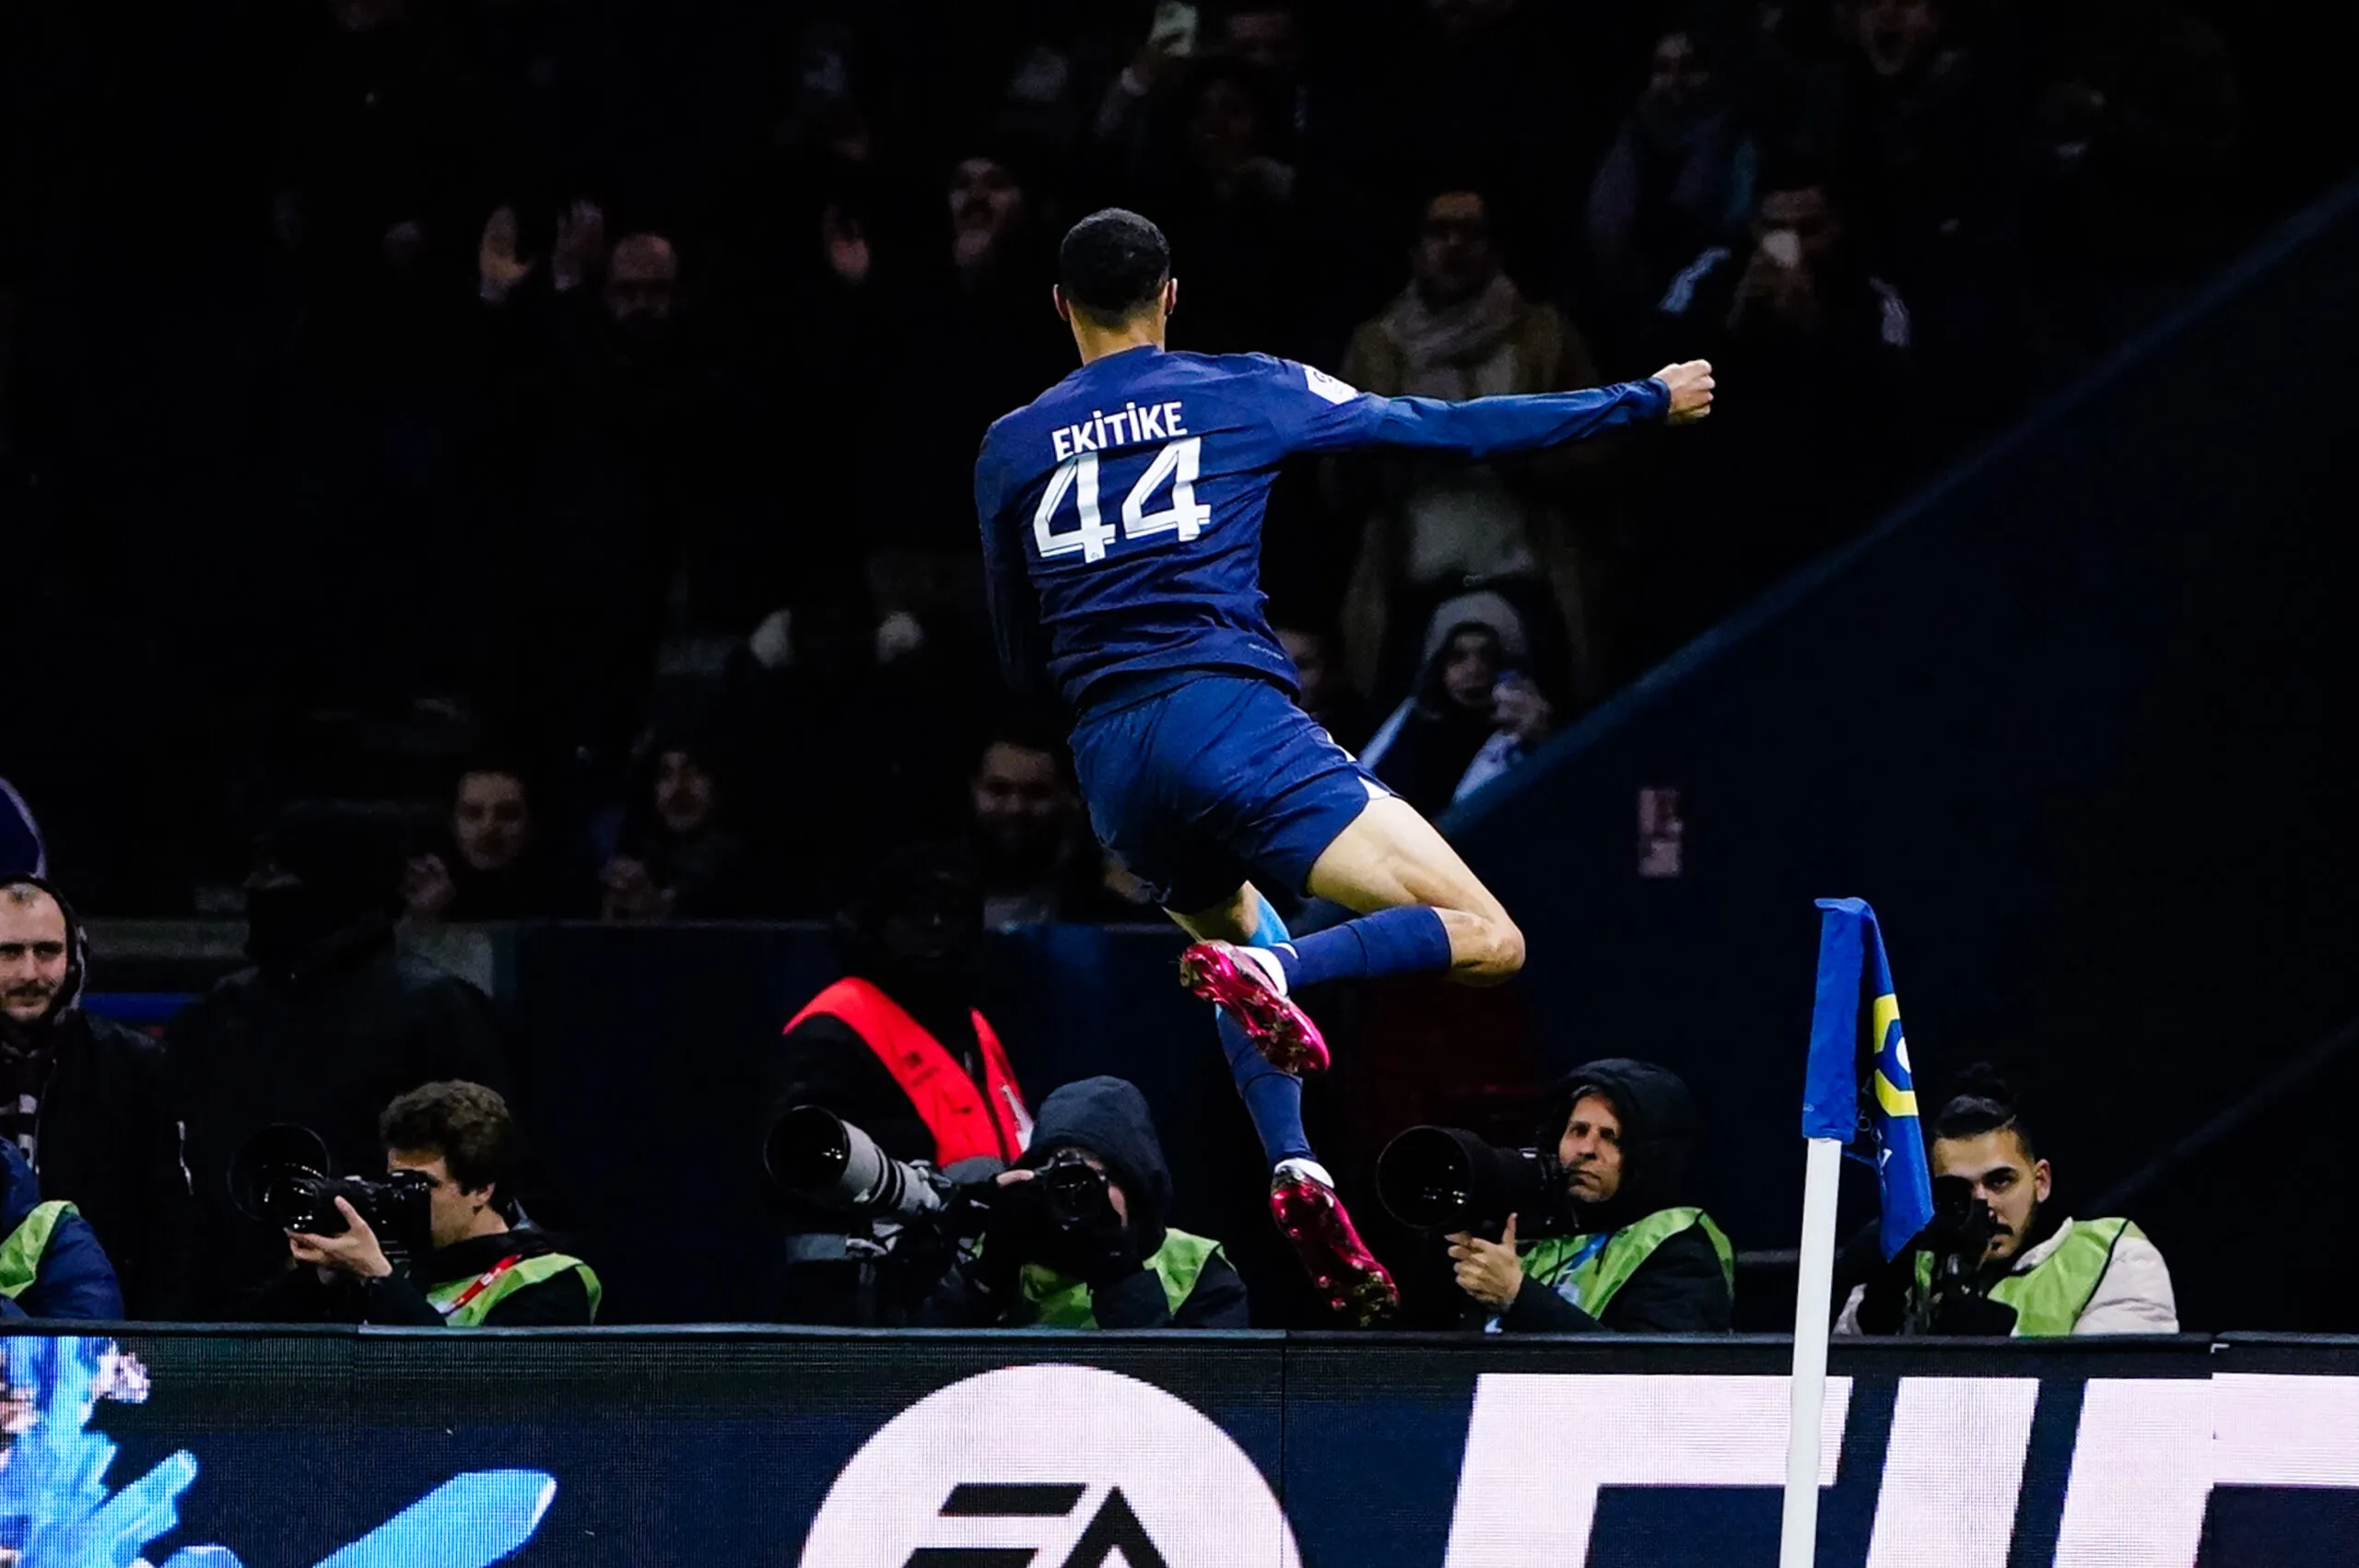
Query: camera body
(281, 1176)
(1959, 1239)
(1073, 1193)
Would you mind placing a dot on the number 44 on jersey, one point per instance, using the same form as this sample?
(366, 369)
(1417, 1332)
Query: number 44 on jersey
(1177, 465)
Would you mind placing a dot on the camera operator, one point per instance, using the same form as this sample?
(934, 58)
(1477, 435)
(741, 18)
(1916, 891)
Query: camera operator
(1076, 1237)
(898, 1048)
(50, 1263)
(1998, 1259)
(1632, 1261)
(475, 1269)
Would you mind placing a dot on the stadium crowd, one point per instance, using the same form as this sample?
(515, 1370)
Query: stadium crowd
(557, 414)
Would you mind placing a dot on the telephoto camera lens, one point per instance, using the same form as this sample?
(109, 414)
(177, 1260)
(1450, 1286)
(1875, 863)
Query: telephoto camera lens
(818, 1156)
(1446, 1178)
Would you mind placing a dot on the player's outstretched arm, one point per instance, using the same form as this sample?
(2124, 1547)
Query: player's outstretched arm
(1333, 418)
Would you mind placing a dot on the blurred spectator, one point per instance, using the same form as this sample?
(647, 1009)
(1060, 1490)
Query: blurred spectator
(1825, 350)
(968, 319)
(1679, 177)
(1233, 204)
(89, 1104)
(1436, 526)
(1525, 92)
(1474, 712)
(330, 1023)
(615, 431)
(1326, 694)
(679, 857)
(1267, 35)
(2133, 138)
(1790, 62)
(502, 861)
(1032, 841)
(21, 853)
(1930, 151)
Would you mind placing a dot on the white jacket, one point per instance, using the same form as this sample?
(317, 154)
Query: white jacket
(2134, 1296)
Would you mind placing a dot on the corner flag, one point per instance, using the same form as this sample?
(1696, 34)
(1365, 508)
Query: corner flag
(1859, 1090)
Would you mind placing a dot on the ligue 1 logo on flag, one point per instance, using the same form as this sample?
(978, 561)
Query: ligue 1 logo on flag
(1051, 1466)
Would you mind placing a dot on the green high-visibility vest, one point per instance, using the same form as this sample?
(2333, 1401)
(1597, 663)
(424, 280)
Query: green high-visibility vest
(506, 1282)
(1059, 1301)
(21, 1254)
(2049, 1297)
(1587, 1270)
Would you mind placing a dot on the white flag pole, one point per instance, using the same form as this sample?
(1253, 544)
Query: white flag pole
(1814, 1294)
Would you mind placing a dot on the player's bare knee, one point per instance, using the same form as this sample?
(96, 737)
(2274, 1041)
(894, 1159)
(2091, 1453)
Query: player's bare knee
(1496, 955)
(1508, 949)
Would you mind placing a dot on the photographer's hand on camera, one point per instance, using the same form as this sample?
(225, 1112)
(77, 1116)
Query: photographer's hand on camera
(1490, 1271)
(356, 1252)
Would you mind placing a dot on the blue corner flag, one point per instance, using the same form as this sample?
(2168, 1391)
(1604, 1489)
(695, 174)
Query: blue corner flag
(1859, 1090)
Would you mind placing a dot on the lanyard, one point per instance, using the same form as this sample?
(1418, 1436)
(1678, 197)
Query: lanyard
(483, 1282)
(1565, 1286)
(1590, 1248)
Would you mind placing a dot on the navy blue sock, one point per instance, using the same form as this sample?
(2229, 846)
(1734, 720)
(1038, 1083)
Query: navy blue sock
(1272, 1099)
(1410, 940)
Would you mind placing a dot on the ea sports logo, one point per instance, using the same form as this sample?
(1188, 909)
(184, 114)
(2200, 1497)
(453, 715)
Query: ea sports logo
(1049, 1467)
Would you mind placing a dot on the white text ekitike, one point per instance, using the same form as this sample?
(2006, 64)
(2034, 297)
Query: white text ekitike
(1124, 427)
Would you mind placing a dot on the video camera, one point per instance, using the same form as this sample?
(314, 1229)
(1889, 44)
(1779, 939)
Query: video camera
(1446, 1178)
(280, 1177)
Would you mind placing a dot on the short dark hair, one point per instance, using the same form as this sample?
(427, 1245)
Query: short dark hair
(1112, 265)
(468, 1124)
(1982, 1102)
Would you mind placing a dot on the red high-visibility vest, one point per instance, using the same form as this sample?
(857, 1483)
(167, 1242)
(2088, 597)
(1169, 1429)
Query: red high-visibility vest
(966, 1120)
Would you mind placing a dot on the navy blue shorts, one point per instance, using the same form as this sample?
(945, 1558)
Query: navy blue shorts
(1217, 781)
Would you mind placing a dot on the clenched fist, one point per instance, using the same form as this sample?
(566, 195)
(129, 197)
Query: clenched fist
(1690, 390)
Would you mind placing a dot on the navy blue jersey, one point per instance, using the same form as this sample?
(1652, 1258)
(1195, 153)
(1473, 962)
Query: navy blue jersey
(1121, 509)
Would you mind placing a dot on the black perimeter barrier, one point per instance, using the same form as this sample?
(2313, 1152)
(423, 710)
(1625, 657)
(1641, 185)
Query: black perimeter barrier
(412, 1449)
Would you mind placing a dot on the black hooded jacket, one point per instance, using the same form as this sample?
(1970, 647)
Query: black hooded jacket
(1109, 1118)
(1680, 1289)
(108, 1134)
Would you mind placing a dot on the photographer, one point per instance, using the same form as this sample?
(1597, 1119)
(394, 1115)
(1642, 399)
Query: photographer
(897, 1048)
(477, 1268)
(1075, 1238)
(1631, 1262)
(1996, 1260)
